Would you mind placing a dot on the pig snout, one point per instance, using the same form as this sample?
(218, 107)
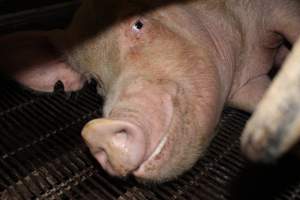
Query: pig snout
(118, 146)
(134, 130)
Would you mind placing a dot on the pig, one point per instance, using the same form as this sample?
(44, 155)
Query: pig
(165, 68)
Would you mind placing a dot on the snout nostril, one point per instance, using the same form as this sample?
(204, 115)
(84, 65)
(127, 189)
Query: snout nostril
(102, 157)
(120, 139)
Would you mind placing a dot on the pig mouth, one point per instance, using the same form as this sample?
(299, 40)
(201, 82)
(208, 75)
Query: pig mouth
(159, 124)
(157, 151)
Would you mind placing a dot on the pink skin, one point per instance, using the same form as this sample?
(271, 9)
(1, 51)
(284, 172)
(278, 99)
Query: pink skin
(165, 82)
(47, 67)
(155, 101)
(132, 131)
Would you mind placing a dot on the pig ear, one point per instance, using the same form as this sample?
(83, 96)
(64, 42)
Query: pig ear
(35, 60)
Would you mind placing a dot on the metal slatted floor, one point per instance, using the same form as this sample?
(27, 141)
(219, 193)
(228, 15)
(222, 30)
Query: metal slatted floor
(42, 156)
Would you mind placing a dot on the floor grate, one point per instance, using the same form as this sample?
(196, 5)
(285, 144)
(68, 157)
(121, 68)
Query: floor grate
(42, 156)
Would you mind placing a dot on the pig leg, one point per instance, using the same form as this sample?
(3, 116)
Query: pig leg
(275, 126)
(33, 59)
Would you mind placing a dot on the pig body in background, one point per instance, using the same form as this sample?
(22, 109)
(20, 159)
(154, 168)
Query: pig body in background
(166, 72)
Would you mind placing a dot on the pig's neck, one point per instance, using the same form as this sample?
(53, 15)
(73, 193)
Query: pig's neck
(224, 52)
(223, 36)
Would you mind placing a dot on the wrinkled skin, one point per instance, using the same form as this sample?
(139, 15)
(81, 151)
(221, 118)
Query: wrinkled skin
(166, 72)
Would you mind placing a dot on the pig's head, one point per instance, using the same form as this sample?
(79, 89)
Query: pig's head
(162, 90)
(162, 98)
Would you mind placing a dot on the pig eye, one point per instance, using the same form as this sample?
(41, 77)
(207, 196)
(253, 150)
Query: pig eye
(138, 26)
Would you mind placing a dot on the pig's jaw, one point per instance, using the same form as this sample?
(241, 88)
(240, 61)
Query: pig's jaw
(141, 169)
